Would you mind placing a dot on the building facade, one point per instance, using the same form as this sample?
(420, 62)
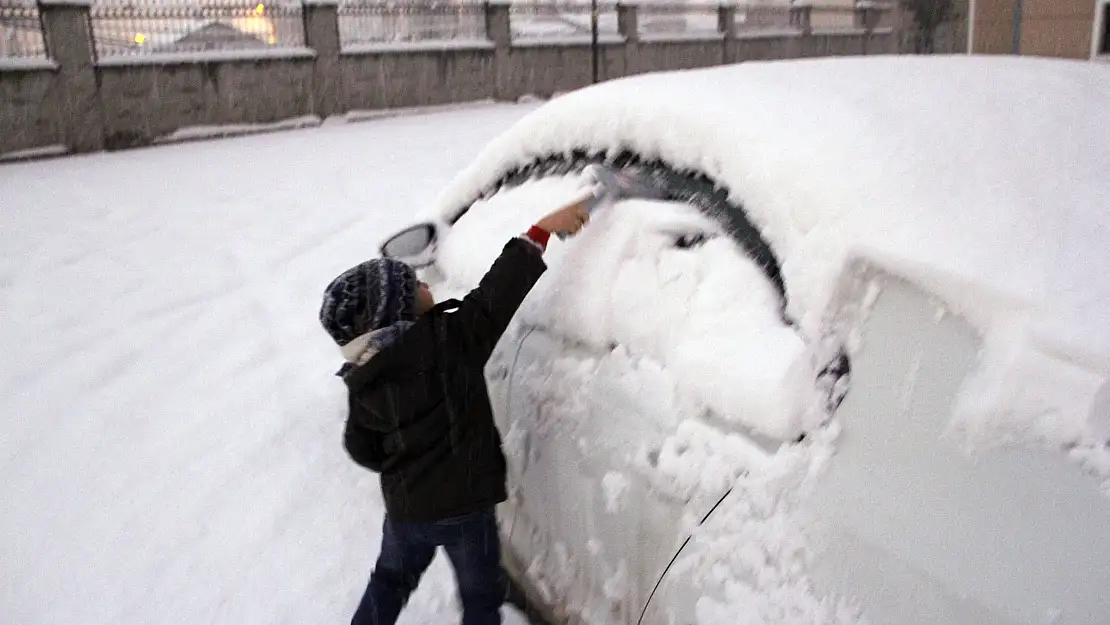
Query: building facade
(1073, 29)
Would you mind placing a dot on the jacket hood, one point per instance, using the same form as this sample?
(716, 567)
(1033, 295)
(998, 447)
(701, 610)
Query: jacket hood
(377, 385)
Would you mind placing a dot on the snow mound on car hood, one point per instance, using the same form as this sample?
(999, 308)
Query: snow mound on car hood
(982, 179)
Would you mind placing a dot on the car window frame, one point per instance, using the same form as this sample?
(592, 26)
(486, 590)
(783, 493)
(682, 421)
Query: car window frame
(709, 196)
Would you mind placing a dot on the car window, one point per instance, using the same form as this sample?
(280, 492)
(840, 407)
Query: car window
(692, 188)
(644, 268)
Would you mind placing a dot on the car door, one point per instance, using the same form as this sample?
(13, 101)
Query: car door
(626, 378)
(587, 527)
(612, 454)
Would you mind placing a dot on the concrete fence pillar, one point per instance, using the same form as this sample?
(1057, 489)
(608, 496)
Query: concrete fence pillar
(321, 33)
(500, 33)
(867, 18)
(67, 29)
(628, 26)
(726, 25)
(801, 16)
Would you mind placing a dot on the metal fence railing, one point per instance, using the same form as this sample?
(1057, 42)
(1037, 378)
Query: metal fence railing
(21, 30)
(369, 22)
(751, 19)
(566, 19)
(138, 27)
(829, 18)
(156, 27)
(658, 19)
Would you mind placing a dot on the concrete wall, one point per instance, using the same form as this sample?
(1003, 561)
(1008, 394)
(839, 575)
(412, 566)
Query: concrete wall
(1057, 28)
(30, 113)
(660, 54)
(141, 102)
(119, 102)
(414, 77)
(544, 70)
(829, 45)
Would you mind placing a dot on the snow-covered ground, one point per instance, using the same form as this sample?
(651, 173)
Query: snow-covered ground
(171, 445)
(171, 451)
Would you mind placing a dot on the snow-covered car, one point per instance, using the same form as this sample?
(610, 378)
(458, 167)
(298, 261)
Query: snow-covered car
(672, 393)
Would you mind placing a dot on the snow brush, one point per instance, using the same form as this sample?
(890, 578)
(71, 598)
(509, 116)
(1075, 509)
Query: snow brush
(610, 186)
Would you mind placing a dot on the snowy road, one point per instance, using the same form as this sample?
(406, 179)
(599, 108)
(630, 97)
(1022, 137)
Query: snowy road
(171, 440)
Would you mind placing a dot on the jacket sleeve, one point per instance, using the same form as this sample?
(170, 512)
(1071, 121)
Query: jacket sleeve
(485, 312)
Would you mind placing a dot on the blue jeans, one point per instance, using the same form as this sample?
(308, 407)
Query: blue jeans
(474, 548)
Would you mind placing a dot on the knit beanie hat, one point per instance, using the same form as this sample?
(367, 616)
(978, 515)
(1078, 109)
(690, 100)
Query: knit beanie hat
(370, 296)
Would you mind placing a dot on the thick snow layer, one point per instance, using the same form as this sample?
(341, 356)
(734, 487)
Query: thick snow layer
(570, 435)
(752, 555)
(194, 133)
(615, 485)
(983, 180)
(639, 361)
(576, 417)
(171, 440)
(694, 311)
(32, 153)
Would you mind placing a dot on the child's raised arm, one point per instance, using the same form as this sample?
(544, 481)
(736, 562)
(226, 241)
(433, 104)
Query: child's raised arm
(485, 312)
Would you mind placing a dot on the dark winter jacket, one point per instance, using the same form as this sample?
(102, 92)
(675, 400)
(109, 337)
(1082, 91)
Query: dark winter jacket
(419, 412)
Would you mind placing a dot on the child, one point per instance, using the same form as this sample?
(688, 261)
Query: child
(419, 415)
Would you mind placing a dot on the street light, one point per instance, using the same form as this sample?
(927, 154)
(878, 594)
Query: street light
(593, 40)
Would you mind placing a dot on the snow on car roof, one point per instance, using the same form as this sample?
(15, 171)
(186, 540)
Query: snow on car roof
(982, 179)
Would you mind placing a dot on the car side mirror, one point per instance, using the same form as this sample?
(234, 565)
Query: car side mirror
(414, 245)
